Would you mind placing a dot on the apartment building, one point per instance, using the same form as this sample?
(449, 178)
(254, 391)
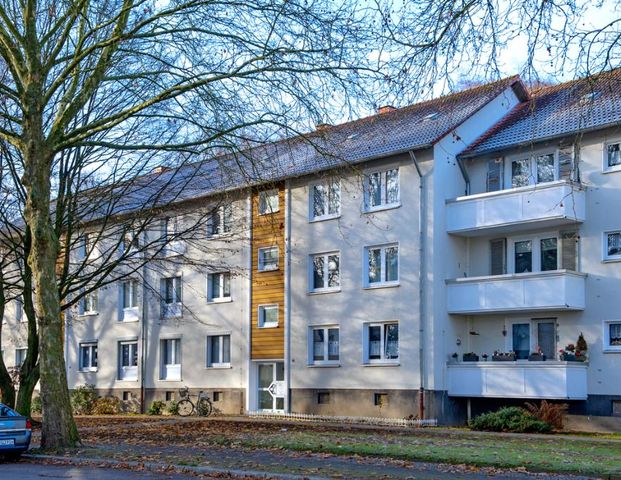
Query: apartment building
(361, 267)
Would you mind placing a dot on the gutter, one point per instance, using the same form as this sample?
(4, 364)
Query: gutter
(421, 284)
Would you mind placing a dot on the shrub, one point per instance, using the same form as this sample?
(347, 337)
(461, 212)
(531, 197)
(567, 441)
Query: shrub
(581, 344)
(510, 419)
(35, 406)
(83, 399)
(171, 408)
(551, 413)
(156, 407)
(107, 406)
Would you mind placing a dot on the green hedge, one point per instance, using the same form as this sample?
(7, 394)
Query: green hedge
(510, 419)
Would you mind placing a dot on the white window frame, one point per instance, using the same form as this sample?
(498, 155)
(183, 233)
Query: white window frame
(92, 347)
(225, 217)
(382, 282)
(328, 187)
(208, 351)
(533, 334)
(262, 267)
(607, 347)
(605, 167)
(170, 371)
(89, 246)
(130, 313)
(174, 308)
(133, 369)
(383, 205)
(87, 303)
(131, 237)
(265, 207)
(221, 298)
(326, 347)
(531, 157)
(536, 252)
(326, 271)
(605, 256)
(261, 323)
(19, 310)
(20, 361)
(366, 339)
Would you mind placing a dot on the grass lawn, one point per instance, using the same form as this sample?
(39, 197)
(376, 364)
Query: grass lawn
(584, 454)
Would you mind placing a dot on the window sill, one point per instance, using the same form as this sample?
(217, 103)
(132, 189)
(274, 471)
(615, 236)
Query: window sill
(88, 370)
(171, 379)
(323, 365)
(382, 364)
(381, 285)
(611, 260)
(612, 350)
(215, 301)
(269, 325)
(219, 366)
(381, 208)
(271, 212)
(324, 291)
(216, 236)
(616, 168)
(129, 320)
(323, 218)
(265, 270)
(89, 314)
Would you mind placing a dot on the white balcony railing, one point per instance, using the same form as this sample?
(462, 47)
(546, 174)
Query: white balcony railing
(554, 290)
(533, 380)
(545, 205)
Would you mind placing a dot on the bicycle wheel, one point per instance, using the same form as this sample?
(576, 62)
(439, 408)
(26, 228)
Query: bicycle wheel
(185, 407)
(204, 407)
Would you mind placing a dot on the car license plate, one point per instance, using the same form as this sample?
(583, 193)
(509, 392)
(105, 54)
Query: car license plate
(7, 441)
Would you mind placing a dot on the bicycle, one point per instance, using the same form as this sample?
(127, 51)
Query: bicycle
(186, 407)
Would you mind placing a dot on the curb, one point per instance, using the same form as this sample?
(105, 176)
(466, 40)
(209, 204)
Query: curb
(170, 468)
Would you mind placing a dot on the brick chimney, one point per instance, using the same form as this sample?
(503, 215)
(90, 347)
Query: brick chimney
(385, 109)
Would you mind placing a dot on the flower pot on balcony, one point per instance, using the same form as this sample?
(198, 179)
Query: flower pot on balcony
(471, 357)
(571, 357)
(536, 357)
(503, 357)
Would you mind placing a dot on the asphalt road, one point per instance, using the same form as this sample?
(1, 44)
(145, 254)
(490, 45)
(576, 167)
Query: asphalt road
(33, 471)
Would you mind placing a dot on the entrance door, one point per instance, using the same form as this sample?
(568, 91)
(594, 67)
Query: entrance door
(271, 386)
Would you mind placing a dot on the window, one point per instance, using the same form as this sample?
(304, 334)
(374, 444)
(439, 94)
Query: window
(169, 396)
(523, 256)
(88, 245)
(217, 396)
(534, 170)
(612, 157)
(268, 259)
(88, 357)
(324, 345)
(129, 301)
(171, 297)
(131, 241)
(170, 349)
(219, 350)
(612, 245)
(549, 254)
(323, 398)
(89, 303)
(325, 272)
(382, 189)
(382, 265)
(127, 396)
(540, 254)
(529, 335)
(325, 200)
(219, 287)
(612, 335)
(268, 202)
(380, 399)
(19, 310)
(20, 356)
(381, 342)
(268, 316)
(128, 360)
(219, 221)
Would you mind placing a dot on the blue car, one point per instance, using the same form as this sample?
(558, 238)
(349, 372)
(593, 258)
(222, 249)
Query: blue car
(15, 432)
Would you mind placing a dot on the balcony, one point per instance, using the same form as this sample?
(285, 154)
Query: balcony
(532, 380)
(533, 292)
(552, 204)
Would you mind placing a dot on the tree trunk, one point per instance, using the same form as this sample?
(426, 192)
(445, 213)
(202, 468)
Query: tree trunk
(7, 389)
(27, 384)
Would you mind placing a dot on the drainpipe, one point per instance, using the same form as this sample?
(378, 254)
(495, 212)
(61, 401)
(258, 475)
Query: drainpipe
(287, 358)
(249, 289)
(143, 338)
(421, 285)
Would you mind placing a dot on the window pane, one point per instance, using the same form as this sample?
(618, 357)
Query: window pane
(392, 186)
(319, 200)
(215, 285)
(333, 344)
(391, 336)
(375, 342)
(520, 172)
(133, 298)
(614, 155)
(134, 354)
(615, 334)
(177, 289)
(271, 315)
(227, 216)
(375, 269)
(614, 243)
(85, 357)
(334, 278)
(226, 349)
(125, 355)
(521, 340)
(334, 198)
(523, 257)
(545, 168)
(226, 288)
(214, 349)
(168, 294)
(94, 356)
(318, 344)
(392, 264)
(546, 339)
(375, 189)
(318, 272)
(126, 293)
(549, 254)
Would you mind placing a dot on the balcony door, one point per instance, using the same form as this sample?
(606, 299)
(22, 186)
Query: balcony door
(529, 335)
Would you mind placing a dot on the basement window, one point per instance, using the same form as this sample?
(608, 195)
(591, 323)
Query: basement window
(380, 399)
(323, 398)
